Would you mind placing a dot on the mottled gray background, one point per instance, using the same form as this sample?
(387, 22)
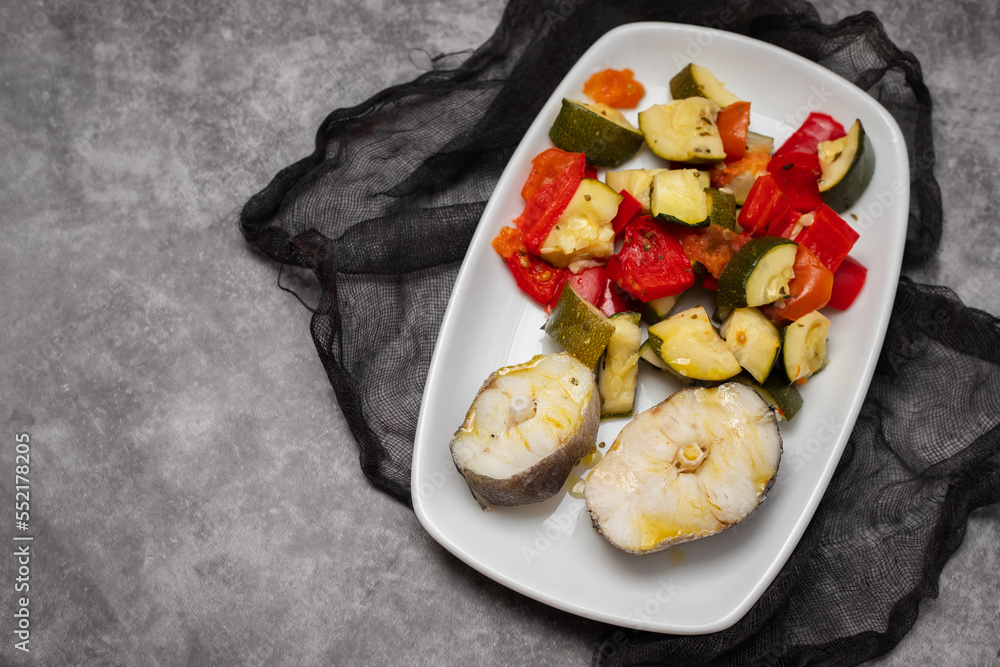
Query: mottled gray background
(196, 497)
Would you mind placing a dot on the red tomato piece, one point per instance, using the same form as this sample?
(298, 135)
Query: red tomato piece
(797, 175)
(733, 123)
(550, 194)
(847, 283)
(810, 288)
(533, 275)
(589, 284)
(816, 128)
(829, 237)
(508, 242)
(546, 166)
(711, 246)
(651, 263)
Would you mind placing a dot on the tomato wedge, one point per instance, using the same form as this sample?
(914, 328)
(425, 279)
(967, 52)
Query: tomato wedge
(733, 123)
(545, 167)
(651, 263)
(711, 246)
(810, 288)
(748, 167)
(554, 179)
(533, 275)
(589, 284)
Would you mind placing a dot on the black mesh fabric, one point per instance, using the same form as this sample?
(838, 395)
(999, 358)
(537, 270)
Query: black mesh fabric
(382, 213)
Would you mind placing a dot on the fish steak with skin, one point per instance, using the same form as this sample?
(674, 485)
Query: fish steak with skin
(528, 426)
(691, 466)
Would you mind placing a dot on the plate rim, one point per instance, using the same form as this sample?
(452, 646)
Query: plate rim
(810, 504)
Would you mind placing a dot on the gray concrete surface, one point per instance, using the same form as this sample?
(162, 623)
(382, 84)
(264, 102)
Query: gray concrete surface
(195, 494)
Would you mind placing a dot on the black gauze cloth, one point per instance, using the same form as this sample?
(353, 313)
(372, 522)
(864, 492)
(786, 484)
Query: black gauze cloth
(383, 211)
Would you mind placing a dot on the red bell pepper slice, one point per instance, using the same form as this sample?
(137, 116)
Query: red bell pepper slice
(847, 283)
(733, 123)
(784, 225)
(766, 211)
(533, 275)
(810, 288)
(549, 194)
(651, 263)
(589, 284)
(797, 175)
(762, 200)
(627, 209)
(829, 237)
(817, 127)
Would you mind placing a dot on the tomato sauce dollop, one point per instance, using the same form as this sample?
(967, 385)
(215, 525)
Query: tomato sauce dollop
(616, 88)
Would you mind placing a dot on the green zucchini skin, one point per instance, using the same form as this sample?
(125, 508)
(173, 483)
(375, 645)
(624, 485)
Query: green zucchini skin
(739, 272)
(683, 131)
(606, 143)
(579, 327)
(657, 309)
(785, 395)
(844, 192)
(697, 81)
(619, 367)
(722, 208)
(781, 395)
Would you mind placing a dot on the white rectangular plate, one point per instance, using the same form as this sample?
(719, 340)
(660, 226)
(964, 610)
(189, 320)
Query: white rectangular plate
(549, 551)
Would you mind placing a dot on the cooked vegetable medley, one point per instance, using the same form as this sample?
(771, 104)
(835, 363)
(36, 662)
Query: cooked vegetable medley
(607, 252)
(725, 211)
